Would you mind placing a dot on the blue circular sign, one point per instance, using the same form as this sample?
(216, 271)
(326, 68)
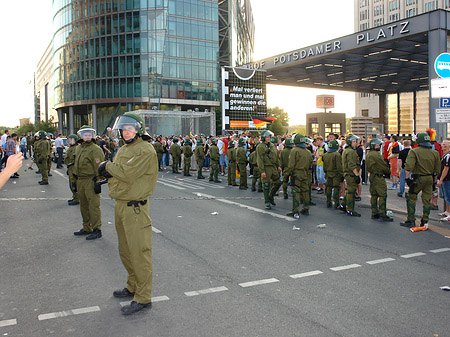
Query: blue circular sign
(442, 65)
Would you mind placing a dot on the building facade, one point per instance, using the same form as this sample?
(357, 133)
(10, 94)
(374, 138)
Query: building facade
(44, 102)
(112, 56)
(403, 108)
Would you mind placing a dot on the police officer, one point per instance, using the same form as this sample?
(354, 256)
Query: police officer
(199, 157)
(187, 154)
(424, 164)
(256, 173)
(269, 166)
(378, 170)
(131, 180)
(242, 161)
(41, 155)
(332, 166)
(69, 160)
(88, 156)
(49, 157)
(159, 151)
(284, 160)
(214, 156)
(351, 168)
(175, 151)
(299, 168)
(231, 154)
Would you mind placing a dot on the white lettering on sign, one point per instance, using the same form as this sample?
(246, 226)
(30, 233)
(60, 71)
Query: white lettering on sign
(305, 53)
(368, 37)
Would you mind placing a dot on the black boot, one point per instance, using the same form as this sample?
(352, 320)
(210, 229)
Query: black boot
(73, 203)
(134, 307)
(123, 293)
(386, 219)
(81, 232)
(96, 234)
(305, 211)
(353, 213)
(408, 224)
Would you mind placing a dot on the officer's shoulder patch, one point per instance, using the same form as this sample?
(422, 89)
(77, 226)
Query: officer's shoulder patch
(97, 161)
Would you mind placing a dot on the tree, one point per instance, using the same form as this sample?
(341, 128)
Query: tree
(46, 126)
(24, 129)
(277, 128)
(280, 115)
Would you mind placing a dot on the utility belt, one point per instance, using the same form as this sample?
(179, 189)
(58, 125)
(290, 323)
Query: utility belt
(232, 161)
(136, 205)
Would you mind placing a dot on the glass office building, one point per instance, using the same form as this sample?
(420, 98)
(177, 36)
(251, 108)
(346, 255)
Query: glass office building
(112, 56)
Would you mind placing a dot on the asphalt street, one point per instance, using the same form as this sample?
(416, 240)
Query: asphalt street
(222, 266)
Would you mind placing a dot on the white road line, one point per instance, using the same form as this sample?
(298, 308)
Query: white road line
(32, 199)
(407, 256)
(388, 259)
(170, 185)
(256, 283)
(205, 291)
(210, 184)
(156, 230)
(59, 173)
(185, 184)
(68, 313)
(154, 299)
(310, 273)
(349, 266)
(8, 322)
(440, 250)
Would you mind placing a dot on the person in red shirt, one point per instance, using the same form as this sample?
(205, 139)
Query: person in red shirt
(386, 146)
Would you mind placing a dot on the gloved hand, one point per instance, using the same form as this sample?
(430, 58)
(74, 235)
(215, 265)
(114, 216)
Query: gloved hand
(40, 161)
(67, 172)
(102, 170)
(387, 176)
(97, 188)
(358, 180)
(74, 187)
(410, 182)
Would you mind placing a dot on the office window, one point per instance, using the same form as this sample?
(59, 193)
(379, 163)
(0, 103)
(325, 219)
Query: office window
(365, 112)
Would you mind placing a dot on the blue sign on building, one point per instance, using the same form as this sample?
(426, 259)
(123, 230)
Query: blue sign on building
(442, 65)
(444, 102)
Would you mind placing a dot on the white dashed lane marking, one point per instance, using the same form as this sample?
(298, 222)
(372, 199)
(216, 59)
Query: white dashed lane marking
(389, 259)
(205, 291)
(310, 273)
(154, 299)
(440, 250)
(256, 283)
(407, 256)
(170, 185)
(156, 230)
(8, 322)
(349, 266)
(60, 174)
(68, 313)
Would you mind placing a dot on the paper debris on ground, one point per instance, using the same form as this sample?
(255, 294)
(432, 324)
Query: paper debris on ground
(295, 228)
(445, 288)
(322, 225)
(199, 195)
(214, 213)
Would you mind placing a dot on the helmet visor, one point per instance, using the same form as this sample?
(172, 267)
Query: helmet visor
(125, 123)
(87, 134)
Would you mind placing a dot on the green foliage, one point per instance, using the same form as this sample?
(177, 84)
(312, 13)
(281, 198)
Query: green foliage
(277, 128)
(46, 126)
(297, 129)
(280, 115)
(23, 130)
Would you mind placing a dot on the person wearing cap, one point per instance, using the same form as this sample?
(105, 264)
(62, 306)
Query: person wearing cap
(256, 177)
(88, 157)
(69, 160)
(159, 151)
(41, 154)
(332, 166)
(231, 154)
(175, 151)
(199, 157)
(187, 154)
(378, 171)
(424, 163)
(284, 161)
(242, 161)
(214, 157)
(351, 168)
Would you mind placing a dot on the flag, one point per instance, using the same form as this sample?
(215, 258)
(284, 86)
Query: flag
(261, 121)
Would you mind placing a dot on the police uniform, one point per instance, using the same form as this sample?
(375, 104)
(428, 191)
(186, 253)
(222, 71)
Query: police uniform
(200, 158)
(242, 161)
(41, 155)
(424, 164)
(256, 172)
(268, 163)
(214, 156)
(299, 168)
(175, 151)
(378, 169)
(88, 156)
(332, 166)
(159, 152)
(187, 154)
(69, 161)
(350, 162)
(284, 161)
(231, 154)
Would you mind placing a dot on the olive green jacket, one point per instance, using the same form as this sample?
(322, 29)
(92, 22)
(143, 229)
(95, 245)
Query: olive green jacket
(241, 155)
(423, 161)
(375, 163)
(332, 164)
(199, 153)
(231, 154)
(284, 157)
(134, 171)
(300, 162)
(350, 161)
(214, 152)
(175, 151)
(267, 155)
(187, 151)
(88, 157)
(42, 149)
(158, 147)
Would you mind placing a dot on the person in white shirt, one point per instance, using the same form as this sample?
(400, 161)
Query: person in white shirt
(59, 145)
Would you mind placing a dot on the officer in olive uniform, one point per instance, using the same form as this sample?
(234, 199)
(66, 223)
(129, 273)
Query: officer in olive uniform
(41, 155)
(231, 154)
(121, 142)
(30, 141)
(256, 173)
(351, 169)
(332, 166)
(159, 151)
(424, 164)
(299, 168)
(69, 160)
(214, 156)
(111, 147)
(175, 151)
(269, 167)
(131, 180)
(187, 154)
(284, 160)
(88, 156)
(378, 170)
(242, 161)
(199, 157)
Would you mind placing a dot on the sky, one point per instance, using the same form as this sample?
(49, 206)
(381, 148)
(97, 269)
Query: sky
(281, 26)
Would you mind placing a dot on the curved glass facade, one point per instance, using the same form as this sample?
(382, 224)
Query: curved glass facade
(136, 51)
